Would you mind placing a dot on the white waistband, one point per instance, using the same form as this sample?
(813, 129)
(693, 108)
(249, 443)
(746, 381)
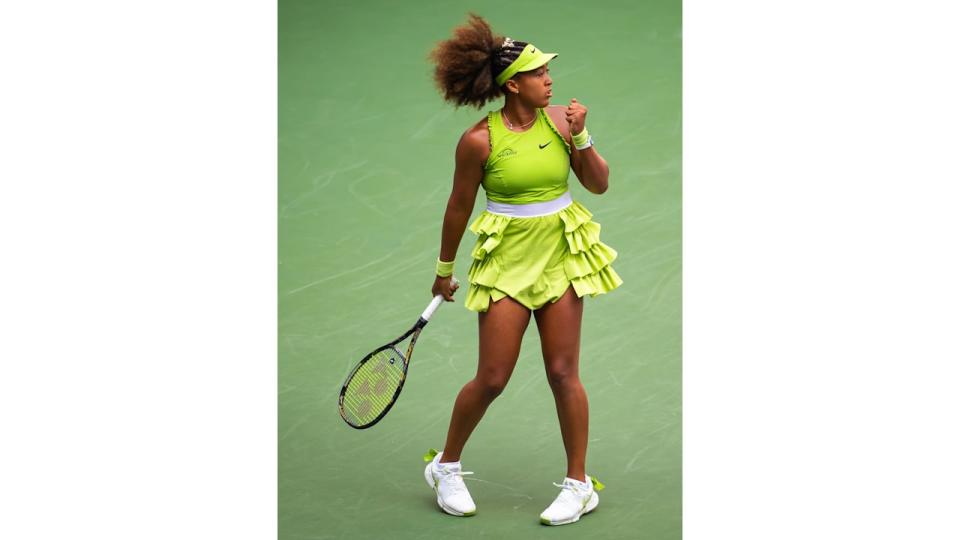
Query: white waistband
(530, 210)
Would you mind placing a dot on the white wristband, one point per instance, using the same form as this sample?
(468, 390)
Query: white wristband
(587, 144)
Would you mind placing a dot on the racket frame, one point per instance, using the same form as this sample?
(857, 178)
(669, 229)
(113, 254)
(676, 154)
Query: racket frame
(415, 330)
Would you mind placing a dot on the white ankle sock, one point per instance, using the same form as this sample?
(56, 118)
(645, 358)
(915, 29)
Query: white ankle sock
(449, 465)
(584, 485)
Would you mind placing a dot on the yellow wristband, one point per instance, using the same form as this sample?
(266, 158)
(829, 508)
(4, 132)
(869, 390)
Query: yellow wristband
(581, 140)
(444, 269)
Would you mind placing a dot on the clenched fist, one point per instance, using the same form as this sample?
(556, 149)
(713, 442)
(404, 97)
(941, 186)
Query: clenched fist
(576, 116)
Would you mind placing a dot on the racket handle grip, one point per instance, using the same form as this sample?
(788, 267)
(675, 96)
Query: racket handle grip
(435, 303)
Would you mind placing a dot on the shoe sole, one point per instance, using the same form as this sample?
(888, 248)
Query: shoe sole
(594, 501)
(428, 476)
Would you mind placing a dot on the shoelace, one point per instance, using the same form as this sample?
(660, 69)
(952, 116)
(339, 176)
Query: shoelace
(571, 487)
(454, 478)
(570, 490)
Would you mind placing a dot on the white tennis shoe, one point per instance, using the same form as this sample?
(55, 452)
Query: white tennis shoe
(446, 479)
(576, 499)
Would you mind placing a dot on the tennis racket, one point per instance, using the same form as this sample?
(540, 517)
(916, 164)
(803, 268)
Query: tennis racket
(374, 385)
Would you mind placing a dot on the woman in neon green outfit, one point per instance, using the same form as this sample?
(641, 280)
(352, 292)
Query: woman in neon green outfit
(537, 250)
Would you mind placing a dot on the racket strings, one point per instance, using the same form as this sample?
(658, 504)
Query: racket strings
(372, 388)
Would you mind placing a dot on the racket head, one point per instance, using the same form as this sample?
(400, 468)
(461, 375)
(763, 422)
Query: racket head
(373, 387)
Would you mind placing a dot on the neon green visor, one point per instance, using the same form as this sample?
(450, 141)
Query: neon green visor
(530, 59)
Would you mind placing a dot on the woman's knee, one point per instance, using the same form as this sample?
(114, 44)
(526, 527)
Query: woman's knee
(562, 375)
(492, 384)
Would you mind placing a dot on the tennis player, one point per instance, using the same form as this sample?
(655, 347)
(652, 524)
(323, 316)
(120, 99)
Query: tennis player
(537, 251)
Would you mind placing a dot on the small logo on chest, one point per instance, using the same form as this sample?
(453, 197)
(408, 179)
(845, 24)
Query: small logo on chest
(542, 146)
(506, 153)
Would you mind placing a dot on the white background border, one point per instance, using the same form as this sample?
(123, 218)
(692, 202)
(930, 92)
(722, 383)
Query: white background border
(821, 270)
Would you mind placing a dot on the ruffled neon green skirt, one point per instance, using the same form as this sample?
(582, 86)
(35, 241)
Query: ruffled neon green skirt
(535, 259)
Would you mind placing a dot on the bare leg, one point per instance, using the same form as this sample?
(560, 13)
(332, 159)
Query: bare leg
(559, 326)
(501, 331)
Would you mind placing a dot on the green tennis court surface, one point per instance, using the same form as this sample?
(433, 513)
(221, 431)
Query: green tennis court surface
(366, 159)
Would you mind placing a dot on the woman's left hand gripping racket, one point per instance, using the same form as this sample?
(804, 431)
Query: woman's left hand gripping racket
(374, 385)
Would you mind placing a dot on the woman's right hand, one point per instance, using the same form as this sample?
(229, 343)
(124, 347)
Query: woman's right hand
(445, 286)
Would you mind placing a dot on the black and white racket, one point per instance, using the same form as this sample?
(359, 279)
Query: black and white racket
(375, 383)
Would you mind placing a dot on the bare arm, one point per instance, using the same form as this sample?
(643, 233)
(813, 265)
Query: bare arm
(468, 174)
(589, 166)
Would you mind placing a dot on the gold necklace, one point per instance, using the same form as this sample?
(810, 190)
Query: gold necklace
(511, 126)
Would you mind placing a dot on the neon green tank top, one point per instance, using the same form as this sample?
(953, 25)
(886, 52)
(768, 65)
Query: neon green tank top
(526, 167)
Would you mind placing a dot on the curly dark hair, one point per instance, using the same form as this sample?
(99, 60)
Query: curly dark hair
(468, 63)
